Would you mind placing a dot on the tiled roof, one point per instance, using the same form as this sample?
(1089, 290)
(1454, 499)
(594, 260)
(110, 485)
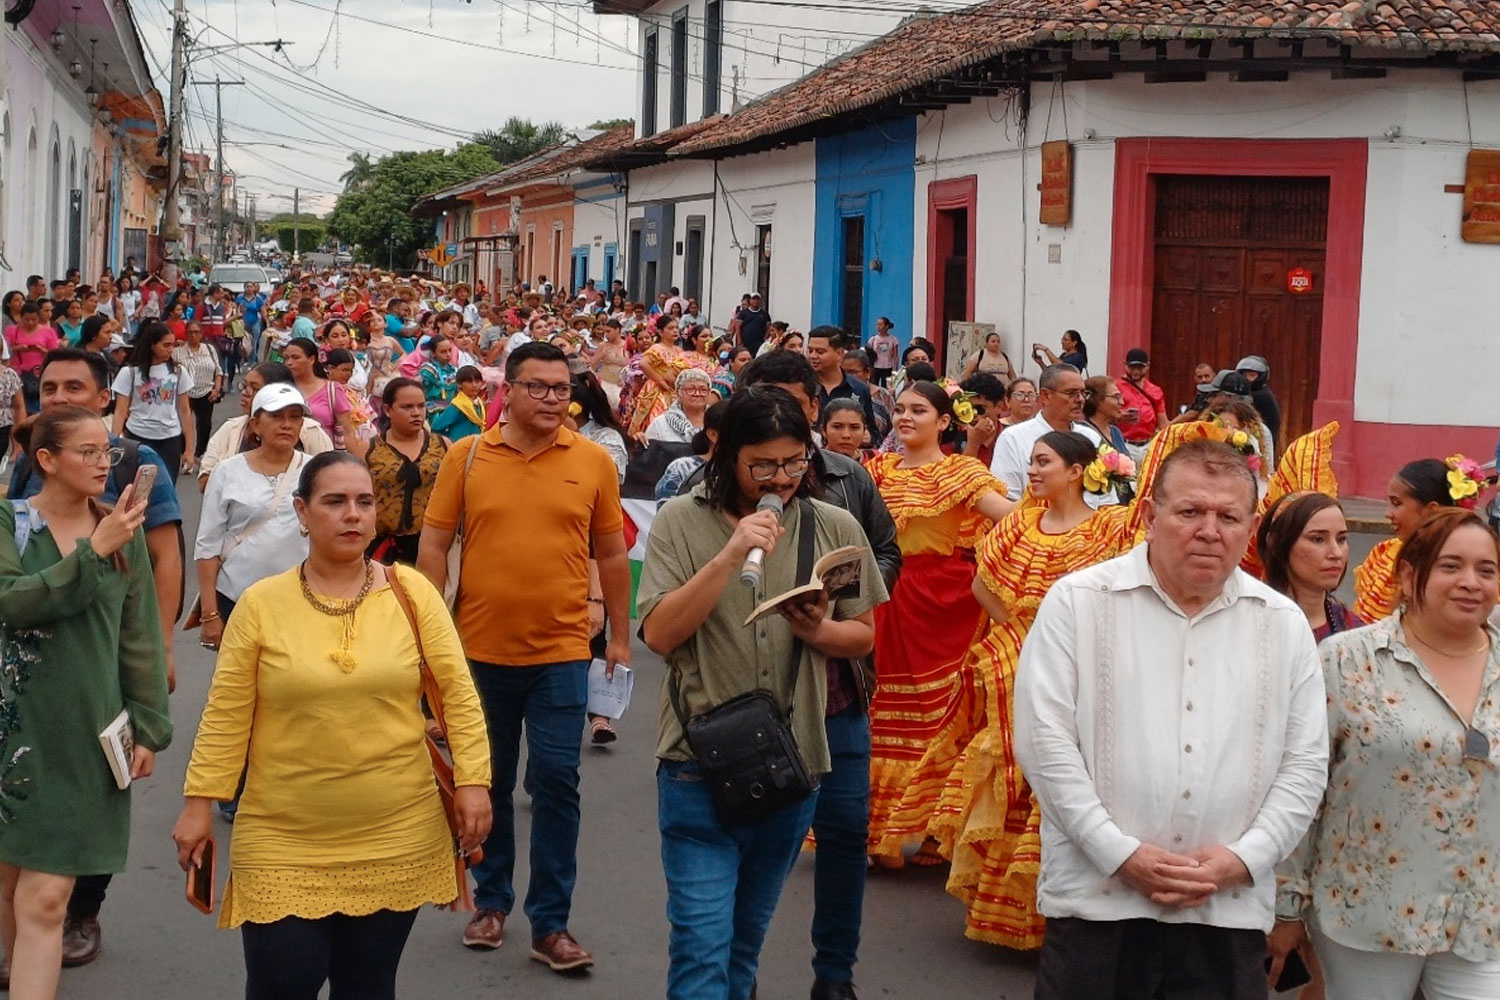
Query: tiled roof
(578, 156)
(928, 49)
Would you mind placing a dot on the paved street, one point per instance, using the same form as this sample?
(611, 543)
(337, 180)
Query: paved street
(156, 947)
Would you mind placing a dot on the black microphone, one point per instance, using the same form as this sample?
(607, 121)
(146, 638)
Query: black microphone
(751, 574)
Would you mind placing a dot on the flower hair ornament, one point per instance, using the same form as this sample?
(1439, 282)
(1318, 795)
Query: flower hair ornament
(963, 402)
(1110, 470)
(1465, 479)
(1240, 440)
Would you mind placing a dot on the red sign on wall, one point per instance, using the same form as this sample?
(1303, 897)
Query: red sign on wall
(1299, 280)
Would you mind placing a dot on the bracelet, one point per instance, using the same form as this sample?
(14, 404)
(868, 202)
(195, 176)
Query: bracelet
(212, 616)
(596, 600)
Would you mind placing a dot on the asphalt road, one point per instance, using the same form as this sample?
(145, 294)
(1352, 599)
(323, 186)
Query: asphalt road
(156, 947)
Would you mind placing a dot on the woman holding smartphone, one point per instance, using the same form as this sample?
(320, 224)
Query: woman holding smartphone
(82, 643)
(317, 698)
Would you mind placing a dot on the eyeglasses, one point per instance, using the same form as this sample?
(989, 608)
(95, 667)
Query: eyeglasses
(764, 472)
(1118, 397)
(91, 455)
(695, 390)
(1071, 393)
(540, 390)
(1023, 395)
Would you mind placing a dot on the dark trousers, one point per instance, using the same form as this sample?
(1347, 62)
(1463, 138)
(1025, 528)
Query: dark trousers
(170, 450)
(841, 826)
(1150, 960)
(88, 896)
(291, 958)
(203, 422)
(547, 702)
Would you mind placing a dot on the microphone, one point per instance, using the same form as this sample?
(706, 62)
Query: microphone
(753, 570)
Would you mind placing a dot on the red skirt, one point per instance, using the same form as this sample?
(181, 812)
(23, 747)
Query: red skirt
(921, 638)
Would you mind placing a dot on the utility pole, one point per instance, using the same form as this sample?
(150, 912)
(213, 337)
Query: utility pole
(219, 86)
(171, 223)
(296, 224)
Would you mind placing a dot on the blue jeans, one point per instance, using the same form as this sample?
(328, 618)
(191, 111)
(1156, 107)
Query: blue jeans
(723, 883)
(549, 700)
(841, 825)
(253, 337)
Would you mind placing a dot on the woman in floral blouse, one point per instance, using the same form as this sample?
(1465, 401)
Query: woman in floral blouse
(1397, 883)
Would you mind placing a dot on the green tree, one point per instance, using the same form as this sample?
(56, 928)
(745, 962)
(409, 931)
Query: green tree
(359, 173)
(518, 138)
(376, 216)
(609, 123)
(305, 231)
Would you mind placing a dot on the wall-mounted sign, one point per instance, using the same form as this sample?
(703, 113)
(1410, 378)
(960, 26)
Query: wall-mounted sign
(442, 254)
(1057, 183)
(1299, 280)
(1481, 220)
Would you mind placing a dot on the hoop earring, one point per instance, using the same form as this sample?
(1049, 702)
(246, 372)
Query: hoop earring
(302, 530)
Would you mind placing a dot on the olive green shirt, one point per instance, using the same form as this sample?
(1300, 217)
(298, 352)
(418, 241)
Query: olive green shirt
(723, 658)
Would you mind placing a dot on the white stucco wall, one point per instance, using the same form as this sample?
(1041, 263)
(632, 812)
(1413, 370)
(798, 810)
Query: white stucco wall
(597, 223)
(39, 97)
(765, 47)
(775, 188)
(1425, 295)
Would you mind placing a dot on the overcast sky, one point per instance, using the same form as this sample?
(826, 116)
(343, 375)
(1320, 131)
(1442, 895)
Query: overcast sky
(290, 126)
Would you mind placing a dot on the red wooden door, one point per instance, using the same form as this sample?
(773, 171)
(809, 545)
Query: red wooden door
(1224, 247)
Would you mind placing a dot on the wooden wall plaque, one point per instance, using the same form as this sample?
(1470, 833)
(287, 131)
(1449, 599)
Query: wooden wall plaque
(1481, 219)
(1057, 183)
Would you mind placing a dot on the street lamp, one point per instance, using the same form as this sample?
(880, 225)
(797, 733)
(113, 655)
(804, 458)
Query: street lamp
(390, 251)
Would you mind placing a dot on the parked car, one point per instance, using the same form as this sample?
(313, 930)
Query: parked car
(233, 277)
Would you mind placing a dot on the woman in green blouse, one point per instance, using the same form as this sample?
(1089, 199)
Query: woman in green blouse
(79, 642)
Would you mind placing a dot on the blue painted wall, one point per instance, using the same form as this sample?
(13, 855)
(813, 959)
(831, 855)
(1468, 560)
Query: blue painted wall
(871, 173)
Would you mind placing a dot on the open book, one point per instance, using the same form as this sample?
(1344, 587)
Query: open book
(118, 741)
(840, 572)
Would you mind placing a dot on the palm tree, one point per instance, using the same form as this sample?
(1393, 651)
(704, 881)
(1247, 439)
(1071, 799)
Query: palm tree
(518, 138)
(360, 173)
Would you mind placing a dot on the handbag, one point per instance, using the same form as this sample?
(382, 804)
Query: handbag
(456, 547)
(442, 768)
(745, 747)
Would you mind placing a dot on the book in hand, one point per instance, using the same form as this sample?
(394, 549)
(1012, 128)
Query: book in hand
(118, 741)
(841, 573)
(609, 696)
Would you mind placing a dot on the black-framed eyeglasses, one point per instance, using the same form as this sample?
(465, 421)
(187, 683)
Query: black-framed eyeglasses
(540, 390)
(764, 472)
(1476, 745)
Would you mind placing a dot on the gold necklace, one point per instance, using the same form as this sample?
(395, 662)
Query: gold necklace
(1443, 652)
(343, 608)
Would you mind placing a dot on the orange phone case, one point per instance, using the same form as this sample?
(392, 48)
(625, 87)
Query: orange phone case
(204, 904)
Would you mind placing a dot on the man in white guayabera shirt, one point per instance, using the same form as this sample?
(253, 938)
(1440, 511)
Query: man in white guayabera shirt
(1170, 718)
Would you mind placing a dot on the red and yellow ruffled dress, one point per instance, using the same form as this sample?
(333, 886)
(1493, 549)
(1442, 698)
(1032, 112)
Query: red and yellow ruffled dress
(924, 632)
(1375, 591)
(987, 821)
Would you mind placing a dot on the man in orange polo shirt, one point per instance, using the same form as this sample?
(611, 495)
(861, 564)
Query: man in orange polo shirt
(538, 502)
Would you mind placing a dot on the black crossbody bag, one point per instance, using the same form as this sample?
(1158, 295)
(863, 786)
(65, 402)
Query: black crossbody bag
(745, 747)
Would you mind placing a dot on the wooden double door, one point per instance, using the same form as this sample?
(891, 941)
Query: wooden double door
(1226, 251)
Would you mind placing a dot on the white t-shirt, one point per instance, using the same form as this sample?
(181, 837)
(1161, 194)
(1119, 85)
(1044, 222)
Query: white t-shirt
(153, 402)
(131, 301)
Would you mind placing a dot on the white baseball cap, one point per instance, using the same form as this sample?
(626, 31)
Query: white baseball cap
(275, 397)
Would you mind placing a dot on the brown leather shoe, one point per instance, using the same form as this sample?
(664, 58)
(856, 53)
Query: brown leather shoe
(486, 929)
(560, 953)
(81, 941)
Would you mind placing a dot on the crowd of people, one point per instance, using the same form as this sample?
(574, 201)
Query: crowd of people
(1081, 650)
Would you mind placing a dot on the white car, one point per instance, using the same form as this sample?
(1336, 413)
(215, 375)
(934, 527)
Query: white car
(233, 277)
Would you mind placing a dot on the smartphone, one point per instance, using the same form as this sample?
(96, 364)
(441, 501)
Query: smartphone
(200, 880)
(145, 480)
(1294, 974)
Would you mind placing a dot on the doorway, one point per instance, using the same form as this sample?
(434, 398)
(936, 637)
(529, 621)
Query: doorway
(851, 318)
(1226, 249)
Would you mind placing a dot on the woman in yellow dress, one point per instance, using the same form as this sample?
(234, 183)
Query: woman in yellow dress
(341, 835)
(1418, 489)
(941, 504)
